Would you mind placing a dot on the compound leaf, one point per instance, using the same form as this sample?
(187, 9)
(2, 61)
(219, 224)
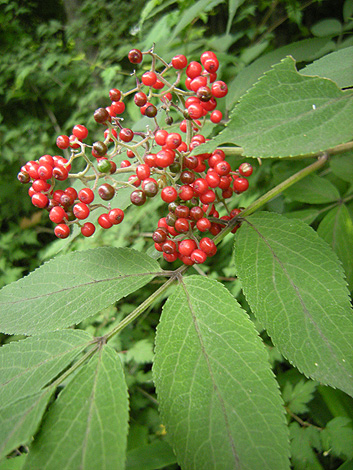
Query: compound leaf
(295, 285)
(27, 366)
(217, 394)
(70, 288)
(286, 114)
(86, 427)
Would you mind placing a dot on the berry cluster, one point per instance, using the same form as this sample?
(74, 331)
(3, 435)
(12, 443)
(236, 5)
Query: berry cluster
(157, 160)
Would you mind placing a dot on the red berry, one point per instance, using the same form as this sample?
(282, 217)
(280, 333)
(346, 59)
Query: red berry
(117, 107)
(45, 171)
(106, 192)
(104, 221)
(48, 159)
(134, 180)
(208, 246)
(195, 111)
(200, 186)
(158, 85)
(212, 178)
(196, 213)
(101, 115)
(138, 197)
(88, 229)
(169, 247)
(126, 135)
(207, 55)
(170, 258)
(140, 99)
(182, 225)
(86, 195)
(57, 214)
(211, 65)
(81, 210)
(40, 200)
(150, 159)
(173, 140)
(160, 137)
(179, 62)
(245, 169)
(219, 89)
(194, 69)
(240, 184)
(186, 192)
(198, 256)
(143, 171)
(203, 224)
(63, 142)
(197, 83)
(164, 158)
(80, 131)
(223, 168)
(116, 216)
(149, 78)
(187, 246)
(125, 164)
(114, 94)
(62, 231)
(169, 194)
(208, 197)
(40, 186)
(135, 56)
(216, 116)
(60, 173)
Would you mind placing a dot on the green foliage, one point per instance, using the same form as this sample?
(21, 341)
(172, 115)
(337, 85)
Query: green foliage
(271, 304)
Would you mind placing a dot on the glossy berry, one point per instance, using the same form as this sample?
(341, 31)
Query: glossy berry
(169, 194)
(116, 216)
(88, 229)
(194, 69)
(160, 235)
(207, 55)
(81, 210)
(86, 195)
(240, 184)
(45, 171)
(208, 246)
(198, 256)
(143, 171)
(164, 158)
(245, 169)
(140, 99)
(179, 62)
(117, 107)
(149, 78)
(104, 221)
(101, 115)
(216, 116)
(114, 94)
(138, 197)
(187, 246)
(150, 111)
(182, 225)
(169, 247)
(100, 148)
(135, 56)
(60, 173)
(211, 65)
(106, 192)
(40, 200)
(126, 135)
(57, 214)
(62, 231)
(63, 142)
(203, 224)
(150, 187)
(195, 111)
(80, 131)
(219, 89)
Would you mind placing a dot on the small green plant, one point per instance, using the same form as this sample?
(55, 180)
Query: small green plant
(63, 392)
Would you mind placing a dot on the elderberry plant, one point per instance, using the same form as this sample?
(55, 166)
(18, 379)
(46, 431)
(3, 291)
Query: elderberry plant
(63, 393)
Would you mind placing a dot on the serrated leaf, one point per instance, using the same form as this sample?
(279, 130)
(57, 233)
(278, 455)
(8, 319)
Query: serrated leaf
(303, 455)
(337, 437)
(336, 228)
(217, 395)
(337, 66)
(70, 288)
(313, 190)
(295, 285)
(304, 50)
(153, 456)
(86, 427)
(296, 397)
(27, 366)
(19, 420)
(342, 166)
(286, 114)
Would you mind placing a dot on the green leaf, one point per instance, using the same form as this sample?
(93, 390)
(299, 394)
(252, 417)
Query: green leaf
(342, 166)
(86, 427)
(154, 456)
(15, 463)
(306, 215)
(337, 437)
(233, 6)
(302, 440)
(218, 397)
(295, 285)
(297, 396)
(27, 366)
(286, 114)
(19, 420)
(191, 13)
(313, 190)
(337, 66)
(336, 228)
(141, 352)
(327, 27)
(70, 288)
(304, 50)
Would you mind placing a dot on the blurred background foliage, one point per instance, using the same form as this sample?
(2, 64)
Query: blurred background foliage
(59, 58)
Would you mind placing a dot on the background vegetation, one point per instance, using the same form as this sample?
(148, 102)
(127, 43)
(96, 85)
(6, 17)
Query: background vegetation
(59, 59)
